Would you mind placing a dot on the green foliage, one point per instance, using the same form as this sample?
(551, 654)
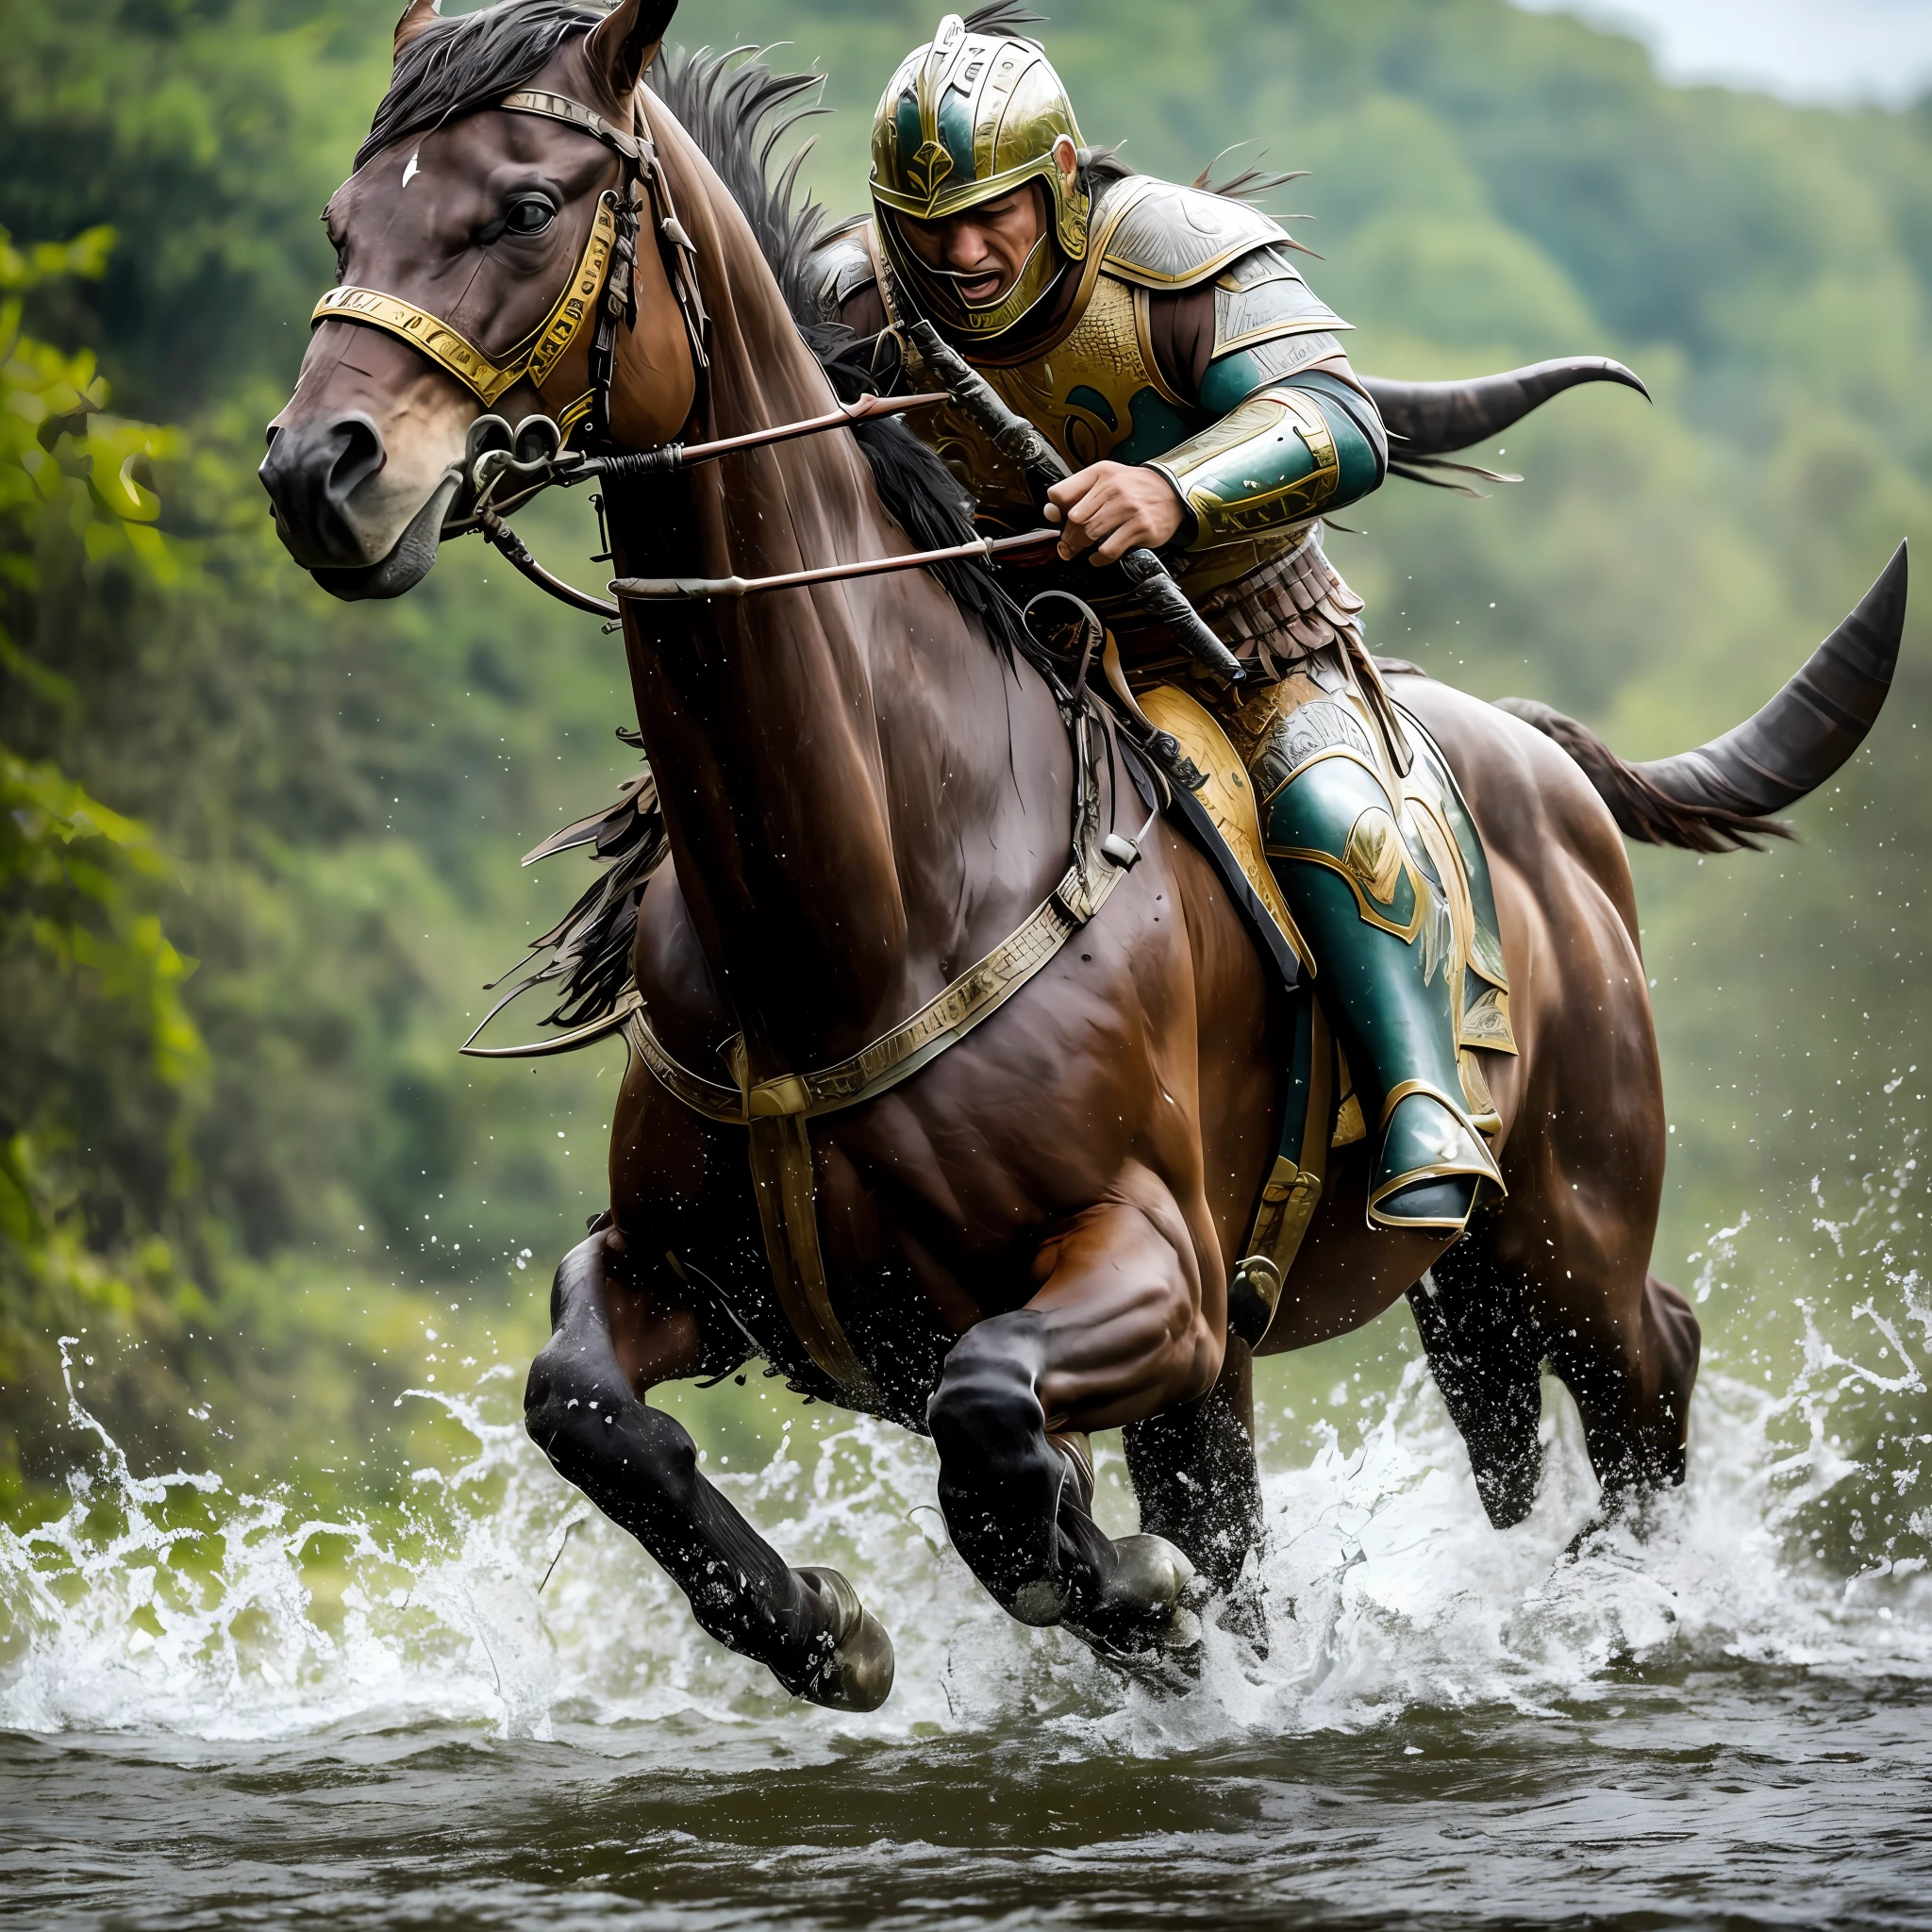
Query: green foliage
(90, 985)
(209, 135)
(335, 796)
(189, 1159)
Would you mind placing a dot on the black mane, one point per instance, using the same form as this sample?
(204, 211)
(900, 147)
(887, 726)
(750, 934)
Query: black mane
(724, 102)
(453, 67)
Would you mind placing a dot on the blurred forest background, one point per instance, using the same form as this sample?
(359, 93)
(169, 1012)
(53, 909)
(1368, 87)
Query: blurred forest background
(258, 850)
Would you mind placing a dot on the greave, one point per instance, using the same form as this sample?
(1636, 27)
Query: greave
(1366, 897)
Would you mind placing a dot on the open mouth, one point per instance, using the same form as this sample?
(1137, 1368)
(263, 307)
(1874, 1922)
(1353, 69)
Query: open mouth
(981, 289)
(409, 561)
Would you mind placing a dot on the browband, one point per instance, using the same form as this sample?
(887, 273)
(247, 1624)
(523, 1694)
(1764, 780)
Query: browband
(585, 120)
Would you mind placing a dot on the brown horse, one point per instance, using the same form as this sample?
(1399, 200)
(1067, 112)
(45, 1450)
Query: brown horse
(1031, 1237)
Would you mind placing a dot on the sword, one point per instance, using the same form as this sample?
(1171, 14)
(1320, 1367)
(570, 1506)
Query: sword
(1018, 441)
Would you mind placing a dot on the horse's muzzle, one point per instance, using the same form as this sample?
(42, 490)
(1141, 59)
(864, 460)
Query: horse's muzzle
(312, 472)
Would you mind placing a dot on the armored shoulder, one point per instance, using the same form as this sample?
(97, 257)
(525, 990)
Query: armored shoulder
(840, 266)
(1173, 240)
(1262, 297)
(1162, 237)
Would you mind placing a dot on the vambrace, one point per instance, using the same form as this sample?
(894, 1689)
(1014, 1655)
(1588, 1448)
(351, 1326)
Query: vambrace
(1284, 452)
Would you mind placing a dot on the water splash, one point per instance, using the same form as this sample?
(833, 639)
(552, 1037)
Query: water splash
(176, 1604)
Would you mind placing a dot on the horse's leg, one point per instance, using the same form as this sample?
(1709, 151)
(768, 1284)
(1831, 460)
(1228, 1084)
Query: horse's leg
(1194, 1474)
(1626, 1347)
(1630, 1365)
(613, 1337)
(1116, 1334)
(1485, 1351)
(1577, 1230)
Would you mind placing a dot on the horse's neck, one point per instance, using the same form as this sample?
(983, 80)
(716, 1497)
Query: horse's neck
(835, 766)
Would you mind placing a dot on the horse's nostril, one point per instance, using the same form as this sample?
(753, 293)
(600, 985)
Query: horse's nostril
(358, 455)
(311, 472)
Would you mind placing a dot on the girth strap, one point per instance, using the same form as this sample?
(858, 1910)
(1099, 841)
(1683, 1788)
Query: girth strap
(944, 1020)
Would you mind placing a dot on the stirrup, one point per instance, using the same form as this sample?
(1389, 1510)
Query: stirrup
(1430, 1169)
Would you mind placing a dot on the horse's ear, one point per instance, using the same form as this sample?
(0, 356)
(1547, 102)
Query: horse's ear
(626, 41)
(419, 16)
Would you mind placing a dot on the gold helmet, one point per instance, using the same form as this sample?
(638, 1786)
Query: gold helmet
(968, 118)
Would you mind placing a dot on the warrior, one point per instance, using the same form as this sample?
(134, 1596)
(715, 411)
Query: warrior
(1165, 342)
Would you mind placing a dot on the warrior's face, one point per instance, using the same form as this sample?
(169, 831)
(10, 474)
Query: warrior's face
(975, 179)
(983, 250)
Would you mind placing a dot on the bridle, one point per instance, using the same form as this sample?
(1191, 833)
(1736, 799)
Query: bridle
(601, 285)
(504, 467)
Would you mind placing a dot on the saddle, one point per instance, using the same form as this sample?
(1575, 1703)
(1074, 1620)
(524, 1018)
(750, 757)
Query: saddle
(1220, 801)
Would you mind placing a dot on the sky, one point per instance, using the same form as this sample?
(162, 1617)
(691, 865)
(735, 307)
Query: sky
(1837, 51)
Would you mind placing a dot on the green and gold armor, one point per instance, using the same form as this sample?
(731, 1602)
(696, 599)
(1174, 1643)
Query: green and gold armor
(1096, 388)
(1409, 968)
(1376, 863)
(966, 119)
(1273, 462)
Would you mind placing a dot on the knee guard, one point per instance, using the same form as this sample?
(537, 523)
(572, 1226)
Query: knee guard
(1364, 893)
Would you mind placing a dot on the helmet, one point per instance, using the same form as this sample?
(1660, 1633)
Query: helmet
(966, 119)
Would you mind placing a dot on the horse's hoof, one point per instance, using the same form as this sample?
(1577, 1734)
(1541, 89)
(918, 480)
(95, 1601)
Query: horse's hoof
(1145, 1625)
(858, 1674)
(1151, 1572)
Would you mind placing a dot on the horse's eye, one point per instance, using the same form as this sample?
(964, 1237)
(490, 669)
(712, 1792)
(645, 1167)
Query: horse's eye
(528, 217)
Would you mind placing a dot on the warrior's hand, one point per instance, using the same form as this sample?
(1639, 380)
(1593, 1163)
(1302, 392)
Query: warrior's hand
(1110, 509)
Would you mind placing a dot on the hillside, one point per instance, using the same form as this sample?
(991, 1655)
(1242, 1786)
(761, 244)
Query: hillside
(340, 794)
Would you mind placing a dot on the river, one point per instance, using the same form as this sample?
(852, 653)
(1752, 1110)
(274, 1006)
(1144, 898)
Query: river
(489, 1710)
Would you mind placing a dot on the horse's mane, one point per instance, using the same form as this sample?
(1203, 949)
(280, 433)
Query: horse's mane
(737, 111)
(456, 66)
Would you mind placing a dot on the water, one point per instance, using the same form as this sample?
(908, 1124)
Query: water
(488, 1710)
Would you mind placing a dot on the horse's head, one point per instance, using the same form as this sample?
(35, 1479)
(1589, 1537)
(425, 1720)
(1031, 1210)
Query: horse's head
(468, 237)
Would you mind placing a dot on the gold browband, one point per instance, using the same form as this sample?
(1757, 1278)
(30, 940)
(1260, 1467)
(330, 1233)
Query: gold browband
(536, 357)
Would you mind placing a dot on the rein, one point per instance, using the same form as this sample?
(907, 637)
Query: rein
(494, 461)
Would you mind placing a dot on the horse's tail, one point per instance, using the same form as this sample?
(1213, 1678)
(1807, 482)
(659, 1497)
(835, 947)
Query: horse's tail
(1717, 798)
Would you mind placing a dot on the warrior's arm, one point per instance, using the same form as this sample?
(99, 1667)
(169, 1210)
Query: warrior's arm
(1295, 434)
(1282, 451)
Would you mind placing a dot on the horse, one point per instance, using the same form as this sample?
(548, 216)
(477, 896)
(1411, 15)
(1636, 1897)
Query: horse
(864, 788)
